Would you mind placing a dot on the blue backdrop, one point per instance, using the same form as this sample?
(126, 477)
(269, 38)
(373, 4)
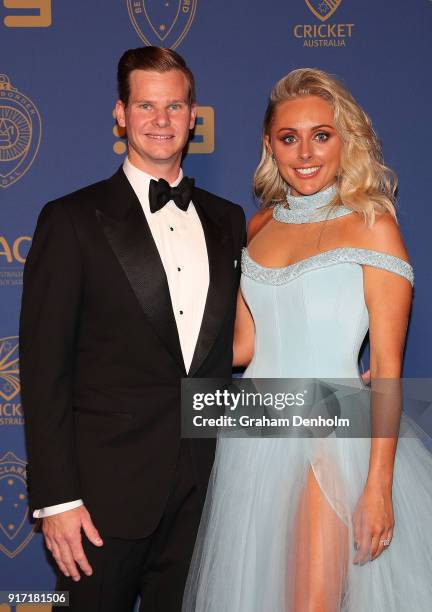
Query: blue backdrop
(57, 133)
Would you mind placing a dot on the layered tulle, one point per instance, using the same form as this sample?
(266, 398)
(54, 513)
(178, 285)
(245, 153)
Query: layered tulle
(275, 504)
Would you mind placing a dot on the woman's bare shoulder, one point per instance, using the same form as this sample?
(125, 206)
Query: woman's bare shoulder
(384, 235)
(258, 221)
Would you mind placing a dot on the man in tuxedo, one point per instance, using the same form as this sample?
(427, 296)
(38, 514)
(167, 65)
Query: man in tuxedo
(130, 285)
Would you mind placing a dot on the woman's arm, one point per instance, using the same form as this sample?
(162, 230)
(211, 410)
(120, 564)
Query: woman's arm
(244, 334)
(388, 299)
(244, 328)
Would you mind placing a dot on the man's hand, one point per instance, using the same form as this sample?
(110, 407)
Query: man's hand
(63, 538)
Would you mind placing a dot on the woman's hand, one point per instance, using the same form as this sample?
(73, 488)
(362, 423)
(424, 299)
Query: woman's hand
(373, 522)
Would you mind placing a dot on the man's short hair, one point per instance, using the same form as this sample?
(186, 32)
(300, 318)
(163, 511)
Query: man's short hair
(151, 58)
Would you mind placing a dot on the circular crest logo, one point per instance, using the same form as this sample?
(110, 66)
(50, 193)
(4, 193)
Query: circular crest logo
(16, 531)
(20, 133)
(323, 9)
(162, 22)
(9, 368)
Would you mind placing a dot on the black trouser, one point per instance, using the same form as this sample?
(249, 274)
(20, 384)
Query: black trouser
(155, 567)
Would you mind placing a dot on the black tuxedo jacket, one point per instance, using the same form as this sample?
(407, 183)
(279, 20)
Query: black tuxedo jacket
(100, 356)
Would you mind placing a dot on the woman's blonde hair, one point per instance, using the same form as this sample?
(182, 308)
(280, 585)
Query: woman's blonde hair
(364, 183)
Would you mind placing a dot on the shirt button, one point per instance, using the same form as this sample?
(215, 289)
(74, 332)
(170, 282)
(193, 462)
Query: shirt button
(172, 229)
(179, 269)
(181, 311)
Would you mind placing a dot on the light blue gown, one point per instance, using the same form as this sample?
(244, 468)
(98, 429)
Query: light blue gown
(310, 321)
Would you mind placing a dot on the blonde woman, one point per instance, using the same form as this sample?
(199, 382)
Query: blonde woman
(320, 524)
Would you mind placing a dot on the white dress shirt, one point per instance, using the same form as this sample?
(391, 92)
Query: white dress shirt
(180, 240)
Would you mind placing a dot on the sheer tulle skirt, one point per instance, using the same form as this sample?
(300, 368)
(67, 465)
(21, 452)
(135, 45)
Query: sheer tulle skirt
(278, 518)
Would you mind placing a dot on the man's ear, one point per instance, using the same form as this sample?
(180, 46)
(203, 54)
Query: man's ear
(120, 113)
(194, 111)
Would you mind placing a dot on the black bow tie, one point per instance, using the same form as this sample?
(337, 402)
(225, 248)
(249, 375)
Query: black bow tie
(160, 193)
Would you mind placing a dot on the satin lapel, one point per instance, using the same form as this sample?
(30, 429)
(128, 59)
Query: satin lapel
(219, 251)
(132, 242)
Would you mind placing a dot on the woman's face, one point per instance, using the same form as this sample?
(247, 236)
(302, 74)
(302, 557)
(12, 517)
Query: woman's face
(305, 144)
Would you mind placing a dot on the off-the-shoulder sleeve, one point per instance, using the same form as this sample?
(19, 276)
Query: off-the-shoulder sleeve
(383, 261)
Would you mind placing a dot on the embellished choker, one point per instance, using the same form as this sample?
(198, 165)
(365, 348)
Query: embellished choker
(310, 209)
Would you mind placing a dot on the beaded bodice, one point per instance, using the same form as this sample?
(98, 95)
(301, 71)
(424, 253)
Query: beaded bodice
(311, 317)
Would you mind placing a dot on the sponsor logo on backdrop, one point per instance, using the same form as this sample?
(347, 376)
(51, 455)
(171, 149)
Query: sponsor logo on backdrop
(163, 23)
(323, 34)
(20, 18)
(20, 133)
(13, 253)
(203, 141)
(323, 9)
(11, 412)
(15, 529)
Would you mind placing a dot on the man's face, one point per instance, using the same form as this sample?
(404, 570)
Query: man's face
(157, 119)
